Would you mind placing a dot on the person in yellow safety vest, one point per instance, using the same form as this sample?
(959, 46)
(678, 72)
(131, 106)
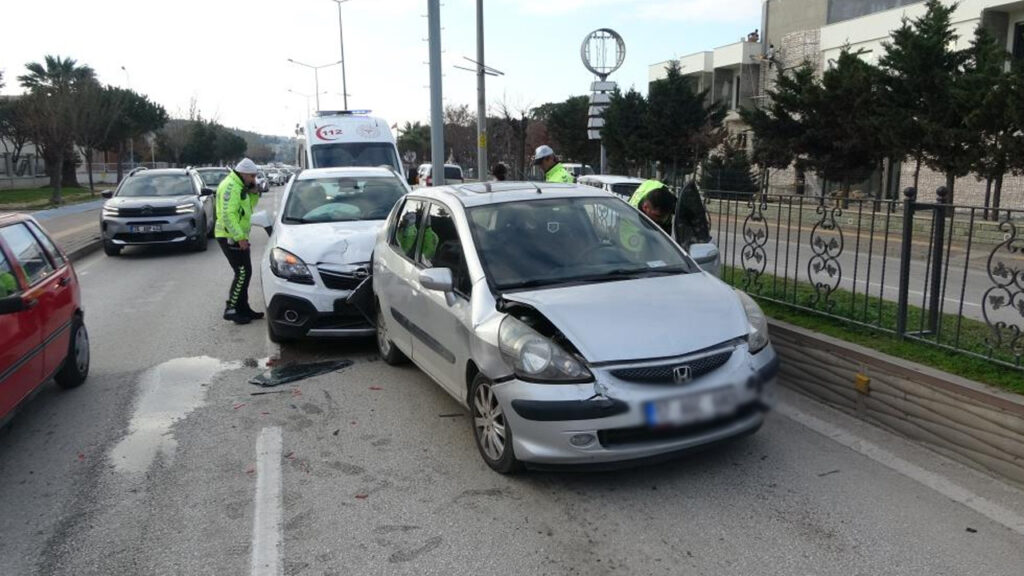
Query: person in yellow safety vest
(654, 200)
(8, 284)
(406, 236)
(236, 199)
(553, 169)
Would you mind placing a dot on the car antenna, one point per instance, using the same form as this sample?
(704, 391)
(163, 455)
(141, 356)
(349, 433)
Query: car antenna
(537, 186)
(487, 187)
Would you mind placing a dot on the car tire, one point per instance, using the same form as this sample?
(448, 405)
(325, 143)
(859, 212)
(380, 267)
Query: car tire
(212, 228)
(389, 353)
(491, 430)
(275, 337)
(111, 249)
(76, 365)
(199, 244)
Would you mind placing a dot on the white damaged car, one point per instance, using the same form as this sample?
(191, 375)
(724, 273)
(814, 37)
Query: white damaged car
(316, 268)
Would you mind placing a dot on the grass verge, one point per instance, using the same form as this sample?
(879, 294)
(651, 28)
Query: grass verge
(39, 198)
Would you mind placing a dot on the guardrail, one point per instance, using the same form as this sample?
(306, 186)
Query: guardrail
(928, 271)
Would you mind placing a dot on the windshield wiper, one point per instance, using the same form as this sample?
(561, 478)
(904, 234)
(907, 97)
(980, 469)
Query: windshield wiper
(627, 273)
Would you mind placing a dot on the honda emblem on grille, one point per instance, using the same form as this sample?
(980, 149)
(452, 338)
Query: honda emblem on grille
(361, 273)
(147, 210)
(682, 374)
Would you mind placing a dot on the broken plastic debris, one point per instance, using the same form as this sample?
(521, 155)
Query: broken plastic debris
(362, 496)
(291, 372)
(239, 405)
(375, 388)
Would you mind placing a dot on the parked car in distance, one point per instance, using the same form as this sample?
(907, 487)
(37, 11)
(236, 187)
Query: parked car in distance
(452, 174)
(572, 328)
(622, 186)
(150, 207)
(212, 177)
(42, 327)
(578, 170)
(316, 268)
(262, 183)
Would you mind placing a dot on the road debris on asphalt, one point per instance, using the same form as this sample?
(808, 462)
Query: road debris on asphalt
(279, 375)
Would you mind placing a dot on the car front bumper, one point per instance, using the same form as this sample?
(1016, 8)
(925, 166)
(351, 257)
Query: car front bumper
(606, 422)
(175, 229)
(313, 310)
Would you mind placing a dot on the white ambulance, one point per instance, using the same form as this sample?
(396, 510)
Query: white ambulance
(348, 138)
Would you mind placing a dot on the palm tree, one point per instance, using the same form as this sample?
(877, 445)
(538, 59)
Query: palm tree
(53, 89)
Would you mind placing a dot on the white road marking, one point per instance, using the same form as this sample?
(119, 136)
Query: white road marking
(266, 530)
(943, 486)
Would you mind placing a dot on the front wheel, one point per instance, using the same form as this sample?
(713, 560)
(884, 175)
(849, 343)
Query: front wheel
(491, 429)
(76, 364)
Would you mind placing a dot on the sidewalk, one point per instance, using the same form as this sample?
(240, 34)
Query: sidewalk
(75, 228)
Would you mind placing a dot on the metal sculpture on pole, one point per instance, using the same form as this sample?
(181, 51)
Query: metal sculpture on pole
(603, 52)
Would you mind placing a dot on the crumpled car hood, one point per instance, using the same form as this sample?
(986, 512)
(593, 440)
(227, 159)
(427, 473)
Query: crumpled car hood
(329, 243)
(643, 318)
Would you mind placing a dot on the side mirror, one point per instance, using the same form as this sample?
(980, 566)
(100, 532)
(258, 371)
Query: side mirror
(207, 192)
(439, 279)
(704, 253)
(261, 219)
(107, 194)
(16, 303)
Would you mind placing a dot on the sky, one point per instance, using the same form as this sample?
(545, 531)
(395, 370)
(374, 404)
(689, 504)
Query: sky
(231, 56)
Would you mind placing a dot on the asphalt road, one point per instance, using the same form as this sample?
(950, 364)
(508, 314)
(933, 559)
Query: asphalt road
(164, 462)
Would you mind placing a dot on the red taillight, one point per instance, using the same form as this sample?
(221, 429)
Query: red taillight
(428, 181)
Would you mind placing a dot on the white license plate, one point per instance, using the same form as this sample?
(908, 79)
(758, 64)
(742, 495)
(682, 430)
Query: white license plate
(692, 408)
(146, 228)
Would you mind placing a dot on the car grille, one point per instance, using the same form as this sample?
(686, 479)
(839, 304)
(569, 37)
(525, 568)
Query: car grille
(147, 212)
(149, 237)
(665, 373)
(620, 437)
(339, 280)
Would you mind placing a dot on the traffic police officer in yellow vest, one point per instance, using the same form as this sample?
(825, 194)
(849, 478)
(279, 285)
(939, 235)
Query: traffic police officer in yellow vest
(553, 169)
(655, 200)
(236, 199)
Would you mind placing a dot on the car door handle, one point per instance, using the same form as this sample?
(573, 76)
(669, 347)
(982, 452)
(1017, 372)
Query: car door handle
(31, 303)
(64, 281)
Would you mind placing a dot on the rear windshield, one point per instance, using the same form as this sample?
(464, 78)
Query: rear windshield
(626, 189)
(142, 185)
(355, 154)
(211, 178)
(452, 173)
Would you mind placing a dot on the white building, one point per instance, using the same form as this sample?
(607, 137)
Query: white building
(795, 31)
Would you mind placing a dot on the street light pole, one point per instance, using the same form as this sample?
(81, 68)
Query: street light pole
(436, 115)
(306, 96)
(341, 41)
(481, 100)
(316, 76)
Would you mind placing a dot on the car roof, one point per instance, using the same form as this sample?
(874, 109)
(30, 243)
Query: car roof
(159, 171)
(611, 179)
(481, 194)
(7, 218)
(212, 168)
(357, 171)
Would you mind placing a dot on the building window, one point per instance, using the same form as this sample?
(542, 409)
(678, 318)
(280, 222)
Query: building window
(736, 92)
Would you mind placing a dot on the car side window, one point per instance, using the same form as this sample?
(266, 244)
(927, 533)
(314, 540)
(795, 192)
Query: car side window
(406, 231)
(27, 252)
(51, 250)
(8, 281)
(441, 247)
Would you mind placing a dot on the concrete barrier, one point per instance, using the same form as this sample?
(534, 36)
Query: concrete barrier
(973, 423)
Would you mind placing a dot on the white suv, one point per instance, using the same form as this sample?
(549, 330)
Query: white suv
(315, 272)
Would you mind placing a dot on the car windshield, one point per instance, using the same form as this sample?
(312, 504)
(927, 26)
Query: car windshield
(142, 185)
(342, 199)
(212, 178)
(452, 173)
(355, 154)
(569, 240)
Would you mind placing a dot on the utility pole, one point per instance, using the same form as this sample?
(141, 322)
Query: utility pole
(341, 40)
(131, 141)
(316, 76)
(436, 113)
(481, 100)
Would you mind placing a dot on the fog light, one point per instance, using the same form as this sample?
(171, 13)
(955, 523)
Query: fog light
(291, 316)
(582, 440)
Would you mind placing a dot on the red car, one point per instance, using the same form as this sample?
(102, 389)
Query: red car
(42, 333)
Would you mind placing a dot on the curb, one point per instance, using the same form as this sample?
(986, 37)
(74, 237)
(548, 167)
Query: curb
(973, 423)
(85, 249)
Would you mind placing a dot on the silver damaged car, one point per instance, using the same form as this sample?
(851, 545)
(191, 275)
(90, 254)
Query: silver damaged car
(572, 328)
